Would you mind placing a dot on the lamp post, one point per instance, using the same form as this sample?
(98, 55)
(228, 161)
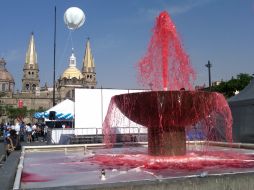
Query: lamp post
(209, 65)
(54, 69)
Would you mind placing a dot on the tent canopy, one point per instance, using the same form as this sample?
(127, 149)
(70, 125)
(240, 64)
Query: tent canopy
(242, 110)
(246, 95)
(64, 111)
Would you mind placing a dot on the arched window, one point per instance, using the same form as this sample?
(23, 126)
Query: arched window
(27, 86)
(3, 87)
(68, 94)
(33, 87)
(74, 80)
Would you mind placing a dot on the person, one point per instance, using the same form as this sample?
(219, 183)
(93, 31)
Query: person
(34, 133)
(7, 141)
(17, 129)
(15, 140)
(45, 133)
(29, 132)
(22, 131)
(1, 129)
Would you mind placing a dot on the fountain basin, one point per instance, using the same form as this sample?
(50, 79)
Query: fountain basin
(166, 108)
(166, 114)
(79, 167)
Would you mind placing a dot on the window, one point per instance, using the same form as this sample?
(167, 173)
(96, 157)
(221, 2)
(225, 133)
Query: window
(33, 86)
(27, 86)
(68, 94)
(3, 87)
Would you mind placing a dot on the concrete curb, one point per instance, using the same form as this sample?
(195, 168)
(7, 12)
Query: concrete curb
(8, 170)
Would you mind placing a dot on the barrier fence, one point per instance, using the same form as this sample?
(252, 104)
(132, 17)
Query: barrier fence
(56, 133)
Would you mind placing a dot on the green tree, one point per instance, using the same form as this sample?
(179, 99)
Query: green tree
(234, 84)
(2, 110)
(16, 113)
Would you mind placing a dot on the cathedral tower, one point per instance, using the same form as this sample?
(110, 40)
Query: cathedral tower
(30, 80)
(88, 69)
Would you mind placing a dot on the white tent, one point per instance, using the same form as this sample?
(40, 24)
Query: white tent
(64, 110)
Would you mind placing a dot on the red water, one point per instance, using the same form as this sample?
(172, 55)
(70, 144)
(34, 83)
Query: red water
(192, 161)
(166, 65)
(171, 104)
(31, 177)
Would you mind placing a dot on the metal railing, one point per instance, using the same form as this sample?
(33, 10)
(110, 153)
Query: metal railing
(57, 133)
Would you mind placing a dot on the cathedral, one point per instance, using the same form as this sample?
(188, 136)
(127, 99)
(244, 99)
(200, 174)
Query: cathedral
(34, 96)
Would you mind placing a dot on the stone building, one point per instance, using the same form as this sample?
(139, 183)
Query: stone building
(35, 97)
(6, 80)
(73, 78)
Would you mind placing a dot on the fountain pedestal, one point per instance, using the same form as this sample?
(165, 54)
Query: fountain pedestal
(166, 141)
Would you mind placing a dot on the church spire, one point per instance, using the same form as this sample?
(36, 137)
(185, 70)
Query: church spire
(31, 55)
(30, 80)
(88, 61)
(88, 70)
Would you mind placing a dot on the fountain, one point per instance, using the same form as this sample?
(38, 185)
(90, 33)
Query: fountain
(169, 114)
(170, 111)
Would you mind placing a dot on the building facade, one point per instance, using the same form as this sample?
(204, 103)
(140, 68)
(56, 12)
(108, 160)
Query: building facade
(6, 80)
(73, 78)
(32, 94)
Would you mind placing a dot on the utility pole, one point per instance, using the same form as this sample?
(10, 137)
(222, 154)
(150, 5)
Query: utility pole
(54, 69)
(209, 65)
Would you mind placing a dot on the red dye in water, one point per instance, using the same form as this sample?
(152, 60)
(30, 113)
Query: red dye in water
(192, 161)
(30, 177)
(169, 115)
(165, 65)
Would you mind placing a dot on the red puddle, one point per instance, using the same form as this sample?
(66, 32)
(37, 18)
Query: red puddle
(31, 177)
(197, 160)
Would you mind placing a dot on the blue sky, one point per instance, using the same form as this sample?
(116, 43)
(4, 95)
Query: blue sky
(221, 31)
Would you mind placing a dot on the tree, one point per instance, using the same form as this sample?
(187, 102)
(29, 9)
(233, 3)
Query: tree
(234, 84)
(16, 113)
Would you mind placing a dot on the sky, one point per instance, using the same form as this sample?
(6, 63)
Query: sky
(221, 31)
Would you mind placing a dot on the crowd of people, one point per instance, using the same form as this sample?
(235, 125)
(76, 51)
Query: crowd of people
(15, 134)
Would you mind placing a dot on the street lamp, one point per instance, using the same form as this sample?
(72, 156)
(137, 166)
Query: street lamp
(209, 65)
(54, 66)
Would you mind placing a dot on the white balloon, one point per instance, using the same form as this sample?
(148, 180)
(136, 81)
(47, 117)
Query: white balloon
(74, 18)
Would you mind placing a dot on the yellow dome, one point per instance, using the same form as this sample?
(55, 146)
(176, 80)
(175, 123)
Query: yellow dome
(72, 72)
(4, 74)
